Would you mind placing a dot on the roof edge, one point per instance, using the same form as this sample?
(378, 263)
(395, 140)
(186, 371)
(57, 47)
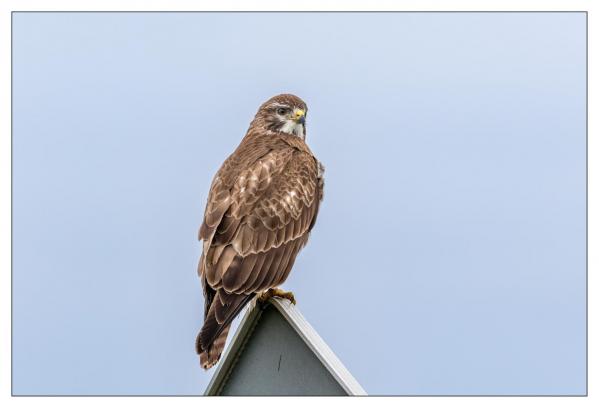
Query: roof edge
(318, 346)
(310, 337)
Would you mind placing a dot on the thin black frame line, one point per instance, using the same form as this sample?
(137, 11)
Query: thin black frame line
(301, 11)
(587, 200)
(316, 11)
(328, 396)
(11, 204)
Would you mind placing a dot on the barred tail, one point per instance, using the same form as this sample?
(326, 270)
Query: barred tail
(210, 357)
(220, 313)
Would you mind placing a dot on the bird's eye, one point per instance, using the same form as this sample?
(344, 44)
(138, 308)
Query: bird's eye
(282, 111)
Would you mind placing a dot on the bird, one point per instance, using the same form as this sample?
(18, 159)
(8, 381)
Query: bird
(262, 205)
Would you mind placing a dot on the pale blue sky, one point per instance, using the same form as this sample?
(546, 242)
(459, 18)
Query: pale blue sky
(449, 254)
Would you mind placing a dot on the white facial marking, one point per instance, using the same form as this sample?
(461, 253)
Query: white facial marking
(293, 128)
(290, 126)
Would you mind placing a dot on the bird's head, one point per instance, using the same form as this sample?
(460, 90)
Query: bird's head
(284, 113)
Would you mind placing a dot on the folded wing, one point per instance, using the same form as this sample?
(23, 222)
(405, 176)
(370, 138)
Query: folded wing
(253, 229)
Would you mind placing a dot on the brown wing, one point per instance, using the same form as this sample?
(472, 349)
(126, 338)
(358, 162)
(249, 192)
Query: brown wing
(265, 218)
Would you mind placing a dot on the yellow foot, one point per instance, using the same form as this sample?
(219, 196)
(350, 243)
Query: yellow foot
(265, 296)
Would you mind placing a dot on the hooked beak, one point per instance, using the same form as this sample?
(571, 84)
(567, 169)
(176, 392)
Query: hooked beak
(299, 116)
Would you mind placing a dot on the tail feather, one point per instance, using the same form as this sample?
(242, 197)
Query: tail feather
(208, 358)
(213, 335)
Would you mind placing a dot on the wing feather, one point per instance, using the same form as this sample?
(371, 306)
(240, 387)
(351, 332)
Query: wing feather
(261, 208)
(262, 273)
(300, 243)
(233, 279)
(215, 273)
(249, 285)
(288, 251)
(271, 273)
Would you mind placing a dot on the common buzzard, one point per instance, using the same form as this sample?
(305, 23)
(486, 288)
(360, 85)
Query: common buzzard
(262, 205)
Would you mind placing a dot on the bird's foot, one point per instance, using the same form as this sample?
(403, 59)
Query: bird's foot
(265, 296)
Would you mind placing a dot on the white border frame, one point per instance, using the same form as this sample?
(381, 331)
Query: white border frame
(7, 6)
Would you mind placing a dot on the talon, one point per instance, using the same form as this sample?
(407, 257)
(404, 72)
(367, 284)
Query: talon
(265, 296)
(289, 296)
(282, 294)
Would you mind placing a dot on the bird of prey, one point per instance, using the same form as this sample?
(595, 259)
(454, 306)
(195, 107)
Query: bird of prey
(261, 207)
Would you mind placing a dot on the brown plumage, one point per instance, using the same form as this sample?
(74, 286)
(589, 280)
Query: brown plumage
(262, 205)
